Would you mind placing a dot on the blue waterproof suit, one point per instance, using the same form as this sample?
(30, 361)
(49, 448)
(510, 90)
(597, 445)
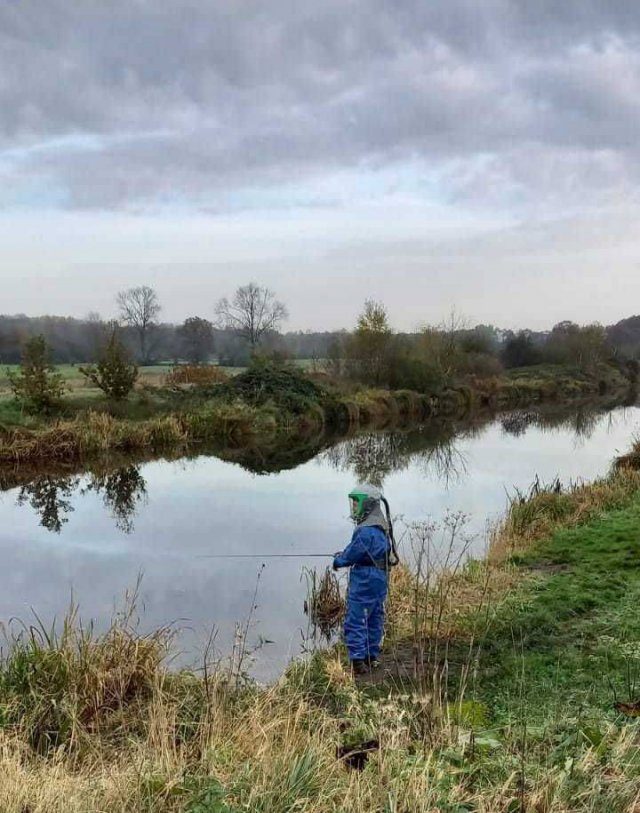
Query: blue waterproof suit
(364, 620)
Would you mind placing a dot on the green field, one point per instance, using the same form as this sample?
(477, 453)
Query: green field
(71, 372)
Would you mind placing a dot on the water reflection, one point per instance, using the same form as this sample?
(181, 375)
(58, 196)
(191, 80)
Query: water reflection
(48, 496)
(184, 511)
(123, 490)
(583, 421)
(436, 449)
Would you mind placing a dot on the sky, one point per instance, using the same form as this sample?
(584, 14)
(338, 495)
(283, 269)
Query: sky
(437, 155)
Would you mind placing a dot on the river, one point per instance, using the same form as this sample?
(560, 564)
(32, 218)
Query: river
(91, 536)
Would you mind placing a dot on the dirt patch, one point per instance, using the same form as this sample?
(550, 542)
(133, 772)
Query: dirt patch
(548, 568)
(406, 663)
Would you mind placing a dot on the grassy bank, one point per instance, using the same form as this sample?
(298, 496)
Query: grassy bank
(512, 686)
(266, 402)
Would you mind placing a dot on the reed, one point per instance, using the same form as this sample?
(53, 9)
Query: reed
(97, 433)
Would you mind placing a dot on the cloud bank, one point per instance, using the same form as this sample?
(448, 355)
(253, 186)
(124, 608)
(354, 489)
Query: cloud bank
(471, 116)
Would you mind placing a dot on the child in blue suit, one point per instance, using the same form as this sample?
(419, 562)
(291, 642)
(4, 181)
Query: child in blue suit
(368, 555)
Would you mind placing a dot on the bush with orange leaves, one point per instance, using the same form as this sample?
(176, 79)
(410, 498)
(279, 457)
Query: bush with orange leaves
(196, 374)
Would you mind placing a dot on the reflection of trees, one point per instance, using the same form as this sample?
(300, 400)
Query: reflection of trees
(517, 423)
(586, 422)
(47, 495)
(582, 420)
(276, 454)
(445, 460)
(121, 491)
(372, 456)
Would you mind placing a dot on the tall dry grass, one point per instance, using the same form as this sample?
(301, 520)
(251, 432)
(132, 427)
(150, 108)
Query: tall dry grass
(143, 739)
(97, 433)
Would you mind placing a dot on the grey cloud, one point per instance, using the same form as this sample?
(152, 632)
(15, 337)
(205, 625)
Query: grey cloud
(191, 101)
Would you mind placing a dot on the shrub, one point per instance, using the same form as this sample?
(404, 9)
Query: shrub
(520, 350)
(265, 382)
(115, 374)
(57, 687)
(482, 365)
(196, 374)
(414, 373)
(38, 386)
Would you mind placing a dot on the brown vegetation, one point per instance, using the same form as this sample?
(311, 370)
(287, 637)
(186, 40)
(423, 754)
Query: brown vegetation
(196, 374)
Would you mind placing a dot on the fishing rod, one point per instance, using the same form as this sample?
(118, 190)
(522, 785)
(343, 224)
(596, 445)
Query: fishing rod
(392, 560)
(266, 555)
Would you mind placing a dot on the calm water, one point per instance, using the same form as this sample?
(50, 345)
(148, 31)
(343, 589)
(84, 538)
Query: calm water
(91, 536)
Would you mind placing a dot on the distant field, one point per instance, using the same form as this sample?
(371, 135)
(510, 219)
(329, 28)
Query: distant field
(71, 372)
(151, 375)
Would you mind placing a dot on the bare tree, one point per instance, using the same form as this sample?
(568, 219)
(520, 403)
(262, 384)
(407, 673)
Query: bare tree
(253, 311)
(139, 308)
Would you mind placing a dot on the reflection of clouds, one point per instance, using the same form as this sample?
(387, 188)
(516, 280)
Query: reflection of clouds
(181, 591)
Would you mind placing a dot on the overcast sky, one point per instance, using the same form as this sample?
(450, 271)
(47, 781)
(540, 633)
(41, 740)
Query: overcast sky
(481, 155)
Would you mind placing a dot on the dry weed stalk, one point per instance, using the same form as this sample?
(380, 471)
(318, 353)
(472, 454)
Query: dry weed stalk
(325, 605)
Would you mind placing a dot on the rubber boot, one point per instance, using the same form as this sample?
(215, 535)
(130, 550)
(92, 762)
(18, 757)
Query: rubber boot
(359, 667)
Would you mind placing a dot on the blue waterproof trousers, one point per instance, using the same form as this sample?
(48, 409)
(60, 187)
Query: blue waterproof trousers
(368, 584)
(364, 619)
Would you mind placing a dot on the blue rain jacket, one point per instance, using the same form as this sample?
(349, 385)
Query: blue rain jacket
(364, 620)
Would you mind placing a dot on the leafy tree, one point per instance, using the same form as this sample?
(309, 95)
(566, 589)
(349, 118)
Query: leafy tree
(335, 352)
(251, 313)
(115, 374)
(139, 308)
(624, 337)
(95, 332)
(520, 350)
(196, 338)
(368, 350)
(38, 385)
(569, 343)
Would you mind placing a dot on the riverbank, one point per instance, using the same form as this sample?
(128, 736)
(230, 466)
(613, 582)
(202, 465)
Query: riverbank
(519, 679)
(269, 404)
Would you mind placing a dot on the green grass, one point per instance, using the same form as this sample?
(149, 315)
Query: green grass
(71, 372)
(549, 371)
(570, 638)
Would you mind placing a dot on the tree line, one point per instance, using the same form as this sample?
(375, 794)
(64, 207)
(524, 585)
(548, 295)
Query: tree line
(437, 355)
(251, 320)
